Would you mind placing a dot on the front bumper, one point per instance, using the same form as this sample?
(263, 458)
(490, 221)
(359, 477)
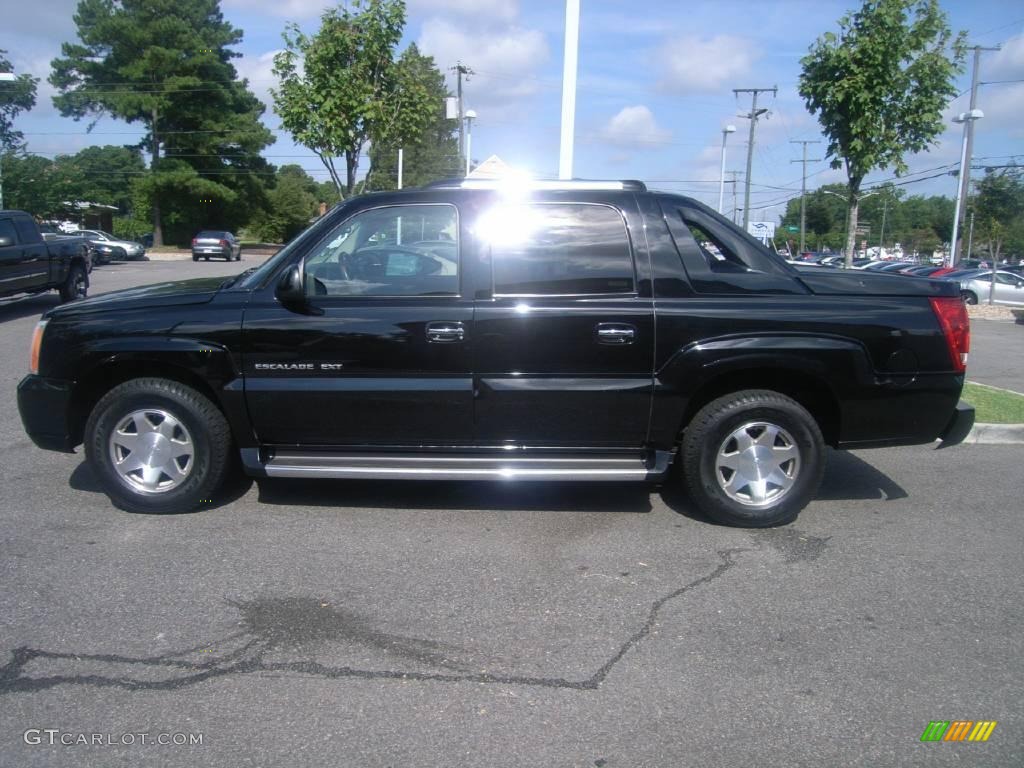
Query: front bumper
(44, 405)
(959, 425)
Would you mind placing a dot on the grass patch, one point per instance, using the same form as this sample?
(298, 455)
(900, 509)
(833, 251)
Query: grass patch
(994, 406)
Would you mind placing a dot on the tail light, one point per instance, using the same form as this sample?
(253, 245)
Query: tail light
(952, 316)
(37, 343)
(223, 243)
(194, 241)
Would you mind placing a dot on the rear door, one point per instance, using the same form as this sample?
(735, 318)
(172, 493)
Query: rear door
(564, 337)
(35, 256)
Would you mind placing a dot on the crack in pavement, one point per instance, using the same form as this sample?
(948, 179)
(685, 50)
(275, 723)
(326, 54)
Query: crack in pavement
(250, 658)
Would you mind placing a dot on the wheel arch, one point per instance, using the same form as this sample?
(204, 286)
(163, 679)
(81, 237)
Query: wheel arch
(117, 369)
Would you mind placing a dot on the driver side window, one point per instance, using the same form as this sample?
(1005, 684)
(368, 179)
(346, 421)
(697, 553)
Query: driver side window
(403, 250)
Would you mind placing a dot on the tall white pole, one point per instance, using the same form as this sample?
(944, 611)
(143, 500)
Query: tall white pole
(469, 143)
(956, 210)
(401, 158)
(721, 179)
(572, 44)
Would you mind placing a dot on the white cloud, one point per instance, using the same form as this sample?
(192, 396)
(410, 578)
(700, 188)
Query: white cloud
(259, 72)
(694, 64)
(635, 126)
(505, 61)
(1005, 64)
(293, 10)
(482, 10)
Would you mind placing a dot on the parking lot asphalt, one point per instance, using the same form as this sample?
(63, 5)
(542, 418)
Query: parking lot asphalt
(448, 624)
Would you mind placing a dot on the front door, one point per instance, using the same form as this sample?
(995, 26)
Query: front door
(564, 344)
(380, 355)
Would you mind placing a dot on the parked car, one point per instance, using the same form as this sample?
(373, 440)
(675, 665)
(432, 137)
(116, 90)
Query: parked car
(29, 264)
(216, 243)
(108, 248)
(920, 270)
(454, 332)
(1008, 288)
(895, 266)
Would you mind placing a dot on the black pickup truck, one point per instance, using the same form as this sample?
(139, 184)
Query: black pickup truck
(469, 331)
(30, 264)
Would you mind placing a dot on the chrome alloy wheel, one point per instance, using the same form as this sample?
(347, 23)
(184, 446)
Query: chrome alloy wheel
(151, 451)
(757, 464)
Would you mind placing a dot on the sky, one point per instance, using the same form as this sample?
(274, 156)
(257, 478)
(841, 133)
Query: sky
(655, 87)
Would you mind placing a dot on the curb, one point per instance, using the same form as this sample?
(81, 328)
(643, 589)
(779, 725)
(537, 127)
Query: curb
(995, 434)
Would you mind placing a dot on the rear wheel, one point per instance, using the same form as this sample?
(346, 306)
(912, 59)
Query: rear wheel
(753, 458)
(969, 297)
(158, 446)
(76, 285)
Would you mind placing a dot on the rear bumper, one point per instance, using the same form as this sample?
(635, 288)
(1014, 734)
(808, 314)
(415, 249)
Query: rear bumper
(959, 425)
(44, 405)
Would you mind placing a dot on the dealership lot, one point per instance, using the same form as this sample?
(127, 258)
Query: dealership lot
(359, 623)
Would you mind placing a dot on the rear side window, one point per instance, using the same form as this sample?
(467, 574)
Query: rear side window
(26, 229)
(7, 230)
(557, 249)
(717, 255)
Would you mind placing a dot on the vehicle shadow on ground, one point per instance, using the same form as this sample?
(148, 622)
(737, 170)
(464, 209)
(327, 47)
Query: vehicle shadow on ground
(28, 306)
(554, 496)
(847, 478)
(236, 486)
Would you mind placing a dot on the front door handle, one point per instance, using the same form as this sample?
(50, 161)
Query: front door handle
(445, 332)
(615, 333)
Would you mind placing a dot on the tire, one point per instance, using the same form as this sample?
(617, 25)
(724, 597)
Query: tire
(76, 284)
(206, 258)
(969, 297)
(191, 434)
(775, 429)
(194, 257)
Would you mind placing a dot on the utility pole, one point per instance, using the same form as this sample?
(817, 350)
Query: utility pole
(970, 237)
(965, 170)
(569, 66)
(461, 69)
(881, 237)
(752, 116)
(803, 190)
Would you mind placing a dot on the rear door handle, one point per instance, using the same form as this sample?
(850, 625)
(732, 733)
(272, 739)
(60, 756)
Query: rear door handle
(445, 332)
(615, 333)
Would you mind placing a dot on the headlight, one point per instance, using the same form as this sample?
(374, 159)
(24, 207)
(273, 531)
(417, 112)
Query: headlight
(37, 343)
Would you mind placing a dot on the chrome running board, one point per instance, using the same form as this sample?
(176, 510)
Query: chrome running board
(441, 466)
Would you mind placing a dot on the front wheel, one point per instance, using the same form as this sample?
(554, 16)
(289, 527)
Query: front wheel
(76, 284)
(969, 297)
(753, 458)
(158, 446)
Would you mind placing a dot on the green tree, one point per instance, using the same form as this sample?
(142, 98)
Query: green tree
(16, 96)
(878, 88)
(31, 185)
(167, 65)
(293, 201)
(426, 136)
(101, 174)
(998, 211)
(340, 88)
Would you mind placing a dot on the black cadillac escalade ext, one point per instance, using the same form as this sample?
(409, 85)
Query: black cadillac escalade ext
(469, 330)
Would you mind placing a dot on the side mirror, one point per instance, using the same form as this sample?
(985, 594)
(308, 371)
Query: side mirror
(290, 288)
(5, 241)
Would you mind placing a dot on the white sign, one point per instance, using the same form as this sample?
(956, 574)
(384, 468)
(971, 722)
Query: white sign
(451, 108)
(762, 230)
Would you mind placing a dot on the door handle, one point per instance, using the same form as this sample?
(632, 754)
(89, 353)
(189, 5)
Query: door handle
(615, 333)
(443, 332)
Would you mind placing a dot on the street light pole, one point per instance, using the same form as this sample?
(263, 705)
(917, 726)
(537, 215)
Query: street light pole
(569, 64)
(966, 118)
(721, 179)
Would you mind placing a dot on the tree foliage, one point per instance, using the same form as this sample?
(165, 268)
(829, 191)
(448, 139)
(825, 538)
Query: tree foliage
(293, 202)
(15, 97)
(999, 210)
(878, 87)
(430, 149)
(341, 88)
(167, 65)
